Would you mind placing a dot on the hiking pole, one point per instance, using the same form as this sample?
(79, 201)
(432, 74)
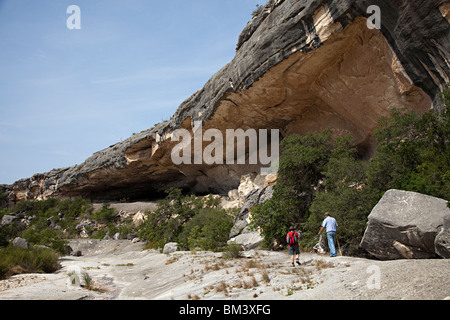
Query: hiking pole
(338, 246)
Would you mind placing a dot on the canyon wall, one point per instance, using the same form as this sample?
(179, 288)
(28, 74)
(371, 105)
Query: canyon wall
(300, 66)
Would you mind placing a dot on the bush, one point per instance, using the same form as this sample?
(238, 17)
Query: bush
(167, 222)
(63, 213)
(70, 210)
(8, 232)
(258, 10)
(193, 222)
(46, 237)
(343, 193)
(3, 200)
(15, 260)
(43, 208)
(105, 214)
(3, 270)
(302, 161)
(208, 230)
(412, 153)
(232, 251)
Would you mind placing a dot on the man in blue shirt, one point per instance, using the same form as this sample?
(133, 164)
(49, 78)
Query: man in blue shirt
(330, 225)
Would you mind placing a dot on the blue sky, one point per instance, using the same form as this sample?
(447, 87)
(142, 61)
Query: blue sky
(65, 94)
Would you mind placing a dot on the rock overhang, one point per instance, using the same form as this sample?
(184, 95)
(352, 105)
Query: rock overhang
(300, 66)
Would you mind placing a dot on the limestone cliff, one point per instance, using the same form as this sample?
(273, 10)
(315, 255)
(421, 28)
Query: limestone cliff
(300, 66)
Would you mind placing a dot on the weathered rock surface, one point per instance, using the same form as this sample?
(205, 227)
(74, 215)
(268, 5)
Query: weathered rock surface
(408, 225)
(20, 242)
(442, 241)
(300, 66)
(9, 219)
(256, 196)
(170, 247)
(241, 233)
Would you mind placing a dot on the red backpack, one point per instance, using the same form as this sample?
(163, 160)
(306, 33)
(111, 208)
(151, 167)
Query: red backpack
(292, 238)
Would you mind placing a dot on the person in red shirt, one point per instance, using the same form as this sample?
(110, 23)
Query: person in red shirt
(292, 241)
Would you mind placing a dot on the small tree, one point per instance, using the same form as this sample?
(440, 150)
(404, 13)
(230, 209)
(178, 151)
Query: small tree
(208, 229)
(413, 153)
(344, 194)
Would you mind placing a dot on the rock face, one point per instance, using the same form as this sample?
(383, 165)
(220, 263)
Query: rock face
(321, 246)
(170, 247)
(442, 241)
(300, 66)
(240, 233)
(408, 225)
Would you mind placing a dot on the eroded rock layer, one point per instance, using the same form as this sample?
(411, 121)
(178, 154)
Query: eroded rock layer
(300, 66)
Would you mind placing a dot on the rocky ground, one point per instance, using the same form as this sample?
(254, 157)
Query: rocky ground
(123, 270)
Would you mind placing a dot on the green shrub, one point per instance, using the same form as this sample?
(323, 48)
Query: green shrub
(302, 161)
(63, 213)
(3, 201)
(412, 153)
(344, 194)
(105, 214)
(208, 230)
(71, 210)
(152, 230)
(167, 222)
(46, 237)
(3, 270)
(42, 208)
(16, 260)
(232, 251)
(9, 232)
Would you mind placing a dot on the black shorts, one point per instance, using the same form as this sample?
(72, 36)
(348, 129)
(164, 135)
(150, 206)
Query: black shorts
(294, 250)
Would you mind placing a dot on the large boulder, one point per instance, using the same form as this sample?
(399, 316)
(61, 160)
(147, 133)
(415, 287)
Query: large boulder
(248, 240)
(170, 247)
(408, 225)
(9, 219)
(442, 241)
(20, 242)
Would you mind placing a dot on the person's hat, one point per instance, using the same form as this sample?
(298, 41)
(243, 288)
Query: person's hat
(291, 228)
(327, 214)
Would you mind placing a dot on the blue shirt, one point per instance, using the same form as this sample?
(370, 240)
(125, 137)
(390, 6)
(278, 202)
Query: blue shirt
(330, 223)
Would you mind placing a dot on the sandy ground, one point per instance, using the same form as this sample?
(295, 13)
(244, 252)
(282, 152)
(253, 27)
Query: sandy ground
(121, 270)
